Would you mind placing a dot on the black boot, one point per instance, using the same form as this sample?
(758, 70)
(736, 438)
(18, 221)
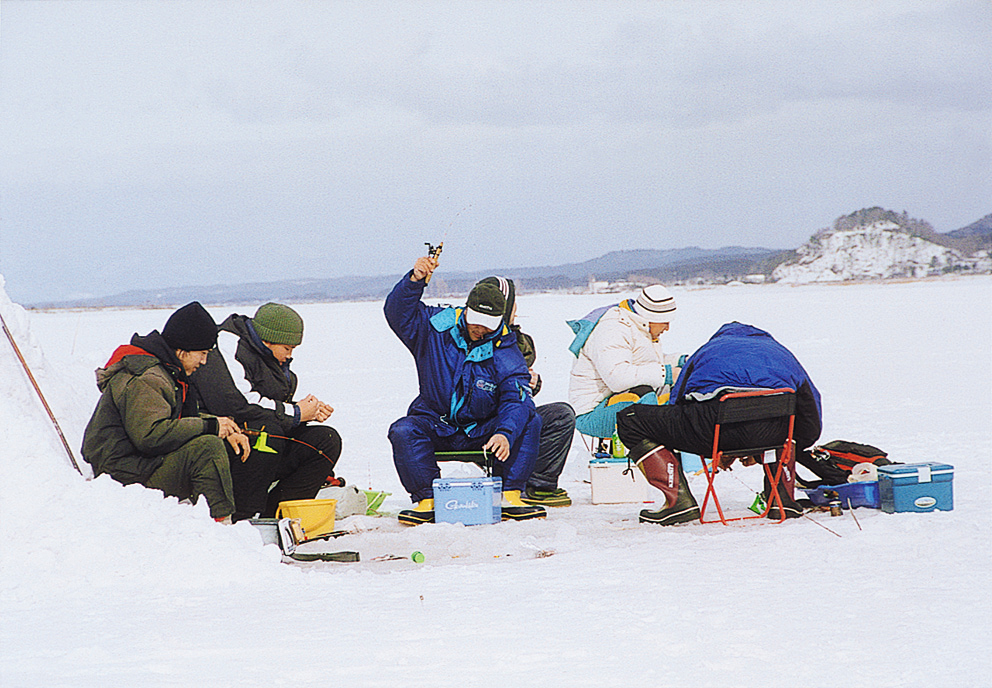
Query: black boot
(786, 489)
(663, 470)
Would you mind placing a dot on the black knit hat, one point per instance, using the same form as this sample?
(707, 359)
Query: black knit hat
(508, 290)
(486, 304)
(190, 329)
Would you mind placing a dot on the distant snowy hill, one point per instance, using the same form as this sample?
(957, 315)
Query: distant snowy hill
(982, 228)
(880, 244)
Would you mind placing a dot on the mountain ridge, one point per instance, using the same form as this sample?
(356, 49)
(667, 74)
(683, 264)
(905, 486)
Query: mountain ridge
(856, 246)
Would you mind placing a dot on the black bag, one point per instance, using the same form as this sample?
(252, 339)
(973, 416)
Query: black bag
(846, 455)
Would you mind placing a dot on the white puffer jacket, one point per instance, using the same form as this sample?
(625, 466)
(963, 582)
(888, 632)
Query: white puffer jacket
(618, 355)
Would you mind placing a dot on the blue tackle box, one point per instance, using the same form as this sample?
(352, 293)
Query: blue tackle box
(852, 495)
(918, 487)
(471, 501)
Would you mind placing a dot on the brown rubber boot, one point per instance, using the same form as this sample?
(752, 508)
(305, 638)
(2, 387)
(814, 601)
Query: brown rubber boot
(663, 470)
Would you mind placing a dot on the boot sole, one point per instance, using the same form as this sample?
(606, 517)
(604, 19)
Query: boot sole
(684, 516)
(415, 518)
(523, 516)
(547, 502)
(789, 513)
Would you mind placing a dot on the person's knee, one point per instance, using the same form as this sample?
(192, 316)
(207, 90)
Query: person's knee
(329, 440)
(628, 426)
(597, 423)
(557, 416)
(334, 437)
(399, 431)
(207, 449)
(402, 431)
(207, 445)
(585, 425)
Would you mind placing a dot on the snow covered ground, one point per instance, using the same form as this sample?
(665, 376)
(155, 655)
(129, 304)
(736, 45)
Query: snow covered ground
(104, 585)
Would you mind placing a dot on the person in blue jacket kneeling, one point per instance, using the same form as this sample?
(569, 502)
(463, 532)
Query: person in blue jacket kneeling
(737, 358)
(474, 392)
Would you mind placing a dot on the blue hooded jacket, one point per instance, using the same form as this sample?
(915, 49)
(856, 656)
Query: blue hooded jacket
(743, 357)
(479, 388)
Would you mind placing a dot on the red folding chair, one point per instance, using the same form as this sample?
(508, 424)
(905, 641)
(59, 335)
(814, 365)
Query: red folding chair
(744, 407)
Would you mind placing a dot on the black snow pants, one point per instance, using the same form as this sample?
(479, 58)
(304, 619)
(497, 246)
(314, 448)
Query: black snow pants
(297, 471)
(689, 427)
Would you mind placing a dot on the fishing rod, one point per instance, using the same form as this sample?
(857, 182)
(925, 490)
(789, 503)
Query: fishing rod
(435, 253)
(44, 402)
(262, 433)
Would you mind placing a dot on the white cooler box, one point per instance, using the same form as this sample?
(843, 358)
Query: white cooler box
(472, 501)
(610, 485)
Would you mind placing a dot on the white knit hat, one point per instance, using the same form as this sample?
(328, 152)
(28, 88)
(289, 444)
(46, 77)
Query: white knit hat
(655, 304)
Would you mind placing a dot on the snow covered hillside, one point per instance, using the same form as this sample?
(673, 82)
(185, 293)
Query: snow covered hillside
(102, 585)
(874, 250)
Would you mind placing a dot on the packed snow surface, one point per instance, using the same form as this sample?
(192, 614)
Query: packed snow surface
(104, 585)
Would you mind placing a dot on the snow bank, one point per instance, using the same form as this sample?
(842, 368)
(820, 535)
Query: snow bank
(64, 532)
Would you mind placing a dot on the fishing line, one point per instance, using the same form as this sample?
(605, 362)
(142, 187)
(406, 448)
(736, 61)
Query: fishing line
(259, 433)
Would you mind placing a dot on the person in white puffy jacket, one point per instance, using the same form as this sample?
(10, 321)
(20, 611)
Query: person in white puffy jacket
(621, 361)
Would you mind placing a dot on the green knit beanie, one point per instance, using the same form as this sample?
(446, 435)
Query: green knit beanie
(278, 324)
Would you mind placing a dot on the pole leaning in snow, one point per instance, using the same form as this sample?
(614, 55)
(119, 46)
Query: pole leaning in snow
(44, 402)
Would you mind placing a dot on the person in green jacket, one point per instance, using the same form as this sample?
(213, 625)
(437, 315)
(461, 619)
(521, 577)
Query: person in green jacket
(146, 427)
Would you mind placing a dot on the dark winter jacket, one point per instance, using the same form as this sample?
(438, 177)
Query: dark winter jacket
(527, 349)
(272, 384)
(742, 357)
(479, 388)
(144, 412)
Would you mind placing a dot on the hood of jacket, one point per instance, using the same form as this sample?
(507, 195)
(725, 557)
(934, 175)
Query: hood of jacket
(268, 377)
(740, 357)
(145, 352)
(452, 320)
(240, 325)
(141, 354)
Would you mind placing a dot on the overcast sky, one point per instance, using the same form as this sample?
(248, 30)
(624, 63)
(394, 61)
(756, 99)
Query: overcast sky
(150, 144)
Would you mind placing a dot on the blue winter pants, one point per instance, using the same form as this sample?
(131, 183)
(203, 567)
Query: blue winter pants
(416, 438)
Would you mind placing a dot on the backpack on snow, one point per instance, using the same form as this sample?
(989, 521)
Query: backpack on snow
(846, 455)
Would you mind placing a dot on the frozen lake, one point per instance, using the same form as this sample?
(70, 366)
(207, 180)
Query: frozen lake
(104, 585)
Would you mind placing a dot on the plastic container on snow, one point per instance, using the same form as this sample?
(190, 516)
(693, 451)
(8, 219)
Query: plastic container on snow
(268, 528)
(850, 494)
(610, 483)
(918, 487)
(471, 501)
(316, 515)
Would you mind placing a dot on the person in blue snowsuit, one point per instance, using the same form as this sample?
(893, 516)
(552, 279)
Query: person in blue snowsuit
(738, 357)
(474, 392)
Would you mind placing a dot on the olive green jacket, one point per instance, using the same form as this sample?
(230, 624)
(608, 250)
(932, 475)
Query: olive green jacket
(140, 416)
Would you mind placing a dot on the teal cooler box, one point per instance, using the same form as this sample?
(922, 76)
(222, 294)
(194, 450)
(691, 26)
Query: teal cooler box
(471, 501)
(916, 487)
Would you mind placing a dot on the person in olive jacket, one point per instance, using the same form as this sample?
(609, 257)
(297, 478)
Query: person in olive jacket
(147, 428)
(248, 377)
